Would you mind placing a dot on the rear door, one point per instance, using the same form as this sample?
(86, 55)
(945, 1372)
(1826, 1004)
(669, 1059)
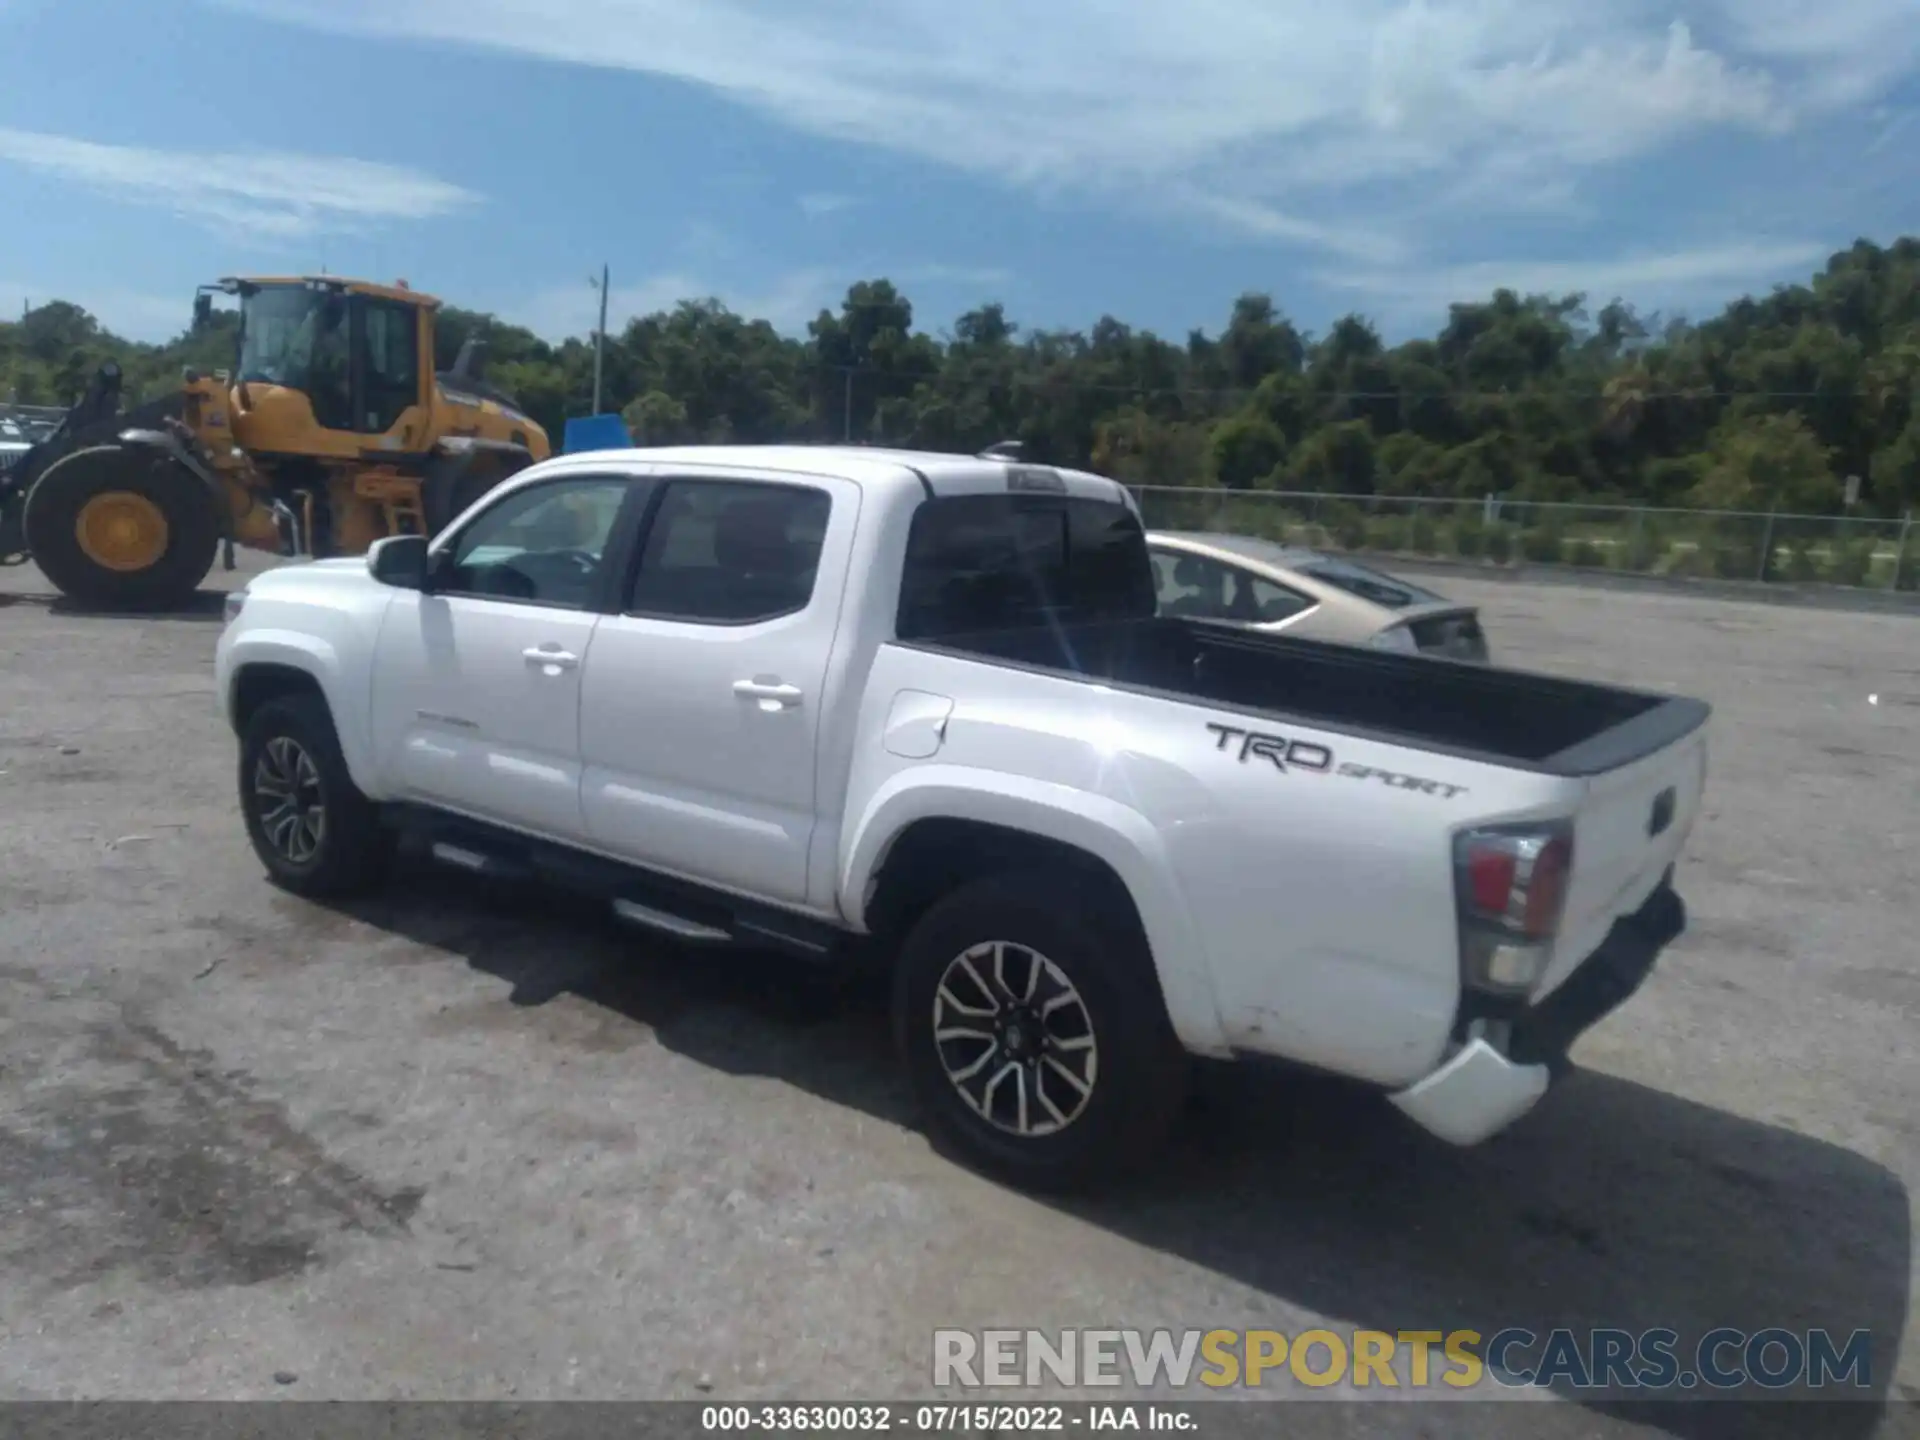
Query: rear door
(700, 716)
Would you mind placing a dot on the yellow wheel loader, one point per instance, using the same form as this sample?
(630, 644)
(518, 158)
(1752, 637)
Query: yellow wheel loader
(331, 431)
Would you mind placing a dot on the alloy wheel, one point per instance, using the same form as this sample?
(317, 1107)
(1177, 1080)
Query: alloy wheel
(1015, 1038)
(287, 799)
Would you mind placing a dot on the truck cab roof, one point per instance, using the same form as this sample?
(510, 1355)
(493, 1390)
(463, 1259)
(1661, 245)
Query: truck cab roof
(930, 473)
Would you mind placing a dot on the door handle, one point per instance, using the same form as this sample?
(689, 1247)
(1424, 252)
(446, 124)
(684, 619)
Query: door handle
(771, 694)
(553, 659)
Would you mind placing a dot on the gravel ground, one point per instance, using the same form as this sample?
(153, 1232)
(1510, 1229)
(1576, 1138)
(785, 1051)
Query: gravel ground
(469, 1146)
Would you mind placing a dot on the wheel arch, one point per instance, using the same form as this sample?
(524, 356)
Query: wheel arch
(275, 669)
(926, 834)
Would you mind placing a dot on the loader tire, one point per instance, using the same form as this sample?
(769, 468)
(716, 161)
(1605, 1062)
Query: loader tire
(118, 528)
(449, 489)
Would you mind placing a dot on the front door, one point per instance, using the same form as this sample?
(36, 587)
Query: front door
(476, 688)
(701, 710)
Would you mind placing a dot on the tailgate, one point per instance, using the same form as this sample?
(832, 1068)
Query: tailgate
(1630, 827)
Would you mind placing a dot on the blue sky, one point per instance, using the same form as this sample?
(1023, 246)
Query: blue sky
(1070, 159)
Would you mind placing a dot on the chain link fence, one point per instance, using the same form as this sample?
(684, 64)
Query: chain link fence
(1720, 544)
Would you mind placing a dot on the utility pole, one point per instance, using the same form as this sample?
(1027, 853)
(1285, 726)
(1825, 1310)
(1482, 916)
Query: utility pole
(599, 337)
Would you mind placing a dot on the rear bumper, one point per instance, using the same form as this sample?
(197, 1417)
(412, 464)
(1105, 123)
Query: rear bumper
(1480, 1090)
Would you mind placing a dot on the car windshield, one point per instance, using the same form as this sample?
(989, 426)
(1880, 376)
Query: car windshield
(282, 330)
(1368, 584)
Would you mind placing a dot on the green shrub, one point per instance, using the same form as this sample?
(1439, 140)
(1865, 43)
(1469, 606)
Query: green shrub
(1646, 546)
(1687, 560)
(1803, 567)
(1736, 559)
(1852, 561)
(1587, 555)
(1423, 536)
(1542, 544)
(1499, 544)
(1469, 537)
(1347, 526)
(1387, 532)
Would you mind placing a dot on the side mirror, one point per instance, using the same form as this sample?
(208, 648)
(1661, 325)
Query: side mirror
(400, 561)
(202, 311)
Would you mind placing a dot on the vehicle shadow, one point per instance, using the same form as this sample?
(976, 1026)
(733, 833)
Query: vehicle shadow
(202, 606)
(1613, 1206)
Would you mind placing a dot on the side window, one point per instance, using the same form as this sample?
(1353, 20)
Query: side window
(1273, 602)
(392, 365)
(1196, 588)
(541, 546)
(1165, 589)
(731, 552)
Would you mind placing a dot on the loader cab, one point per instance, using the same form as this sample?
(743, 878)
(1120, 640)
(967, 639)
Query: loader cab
(356, 355)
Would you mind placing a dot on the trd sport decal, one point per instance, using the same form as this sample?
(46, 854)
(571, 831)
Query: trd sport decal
(1402, 782)
(1286, 755)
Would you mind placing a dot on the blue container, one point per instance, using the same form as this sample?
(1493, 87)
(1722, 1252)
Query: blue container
(596, 432)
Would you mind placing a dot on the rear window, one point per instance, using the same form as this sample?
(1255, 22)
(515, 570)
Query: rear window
(995, 562)
(1368, 584)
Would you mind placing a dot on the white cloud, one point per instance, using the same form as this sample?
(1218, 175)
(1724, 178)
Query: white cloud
(821, 203)
(1846, 51)
(1269, 116)
(789, 302)
(1651, 280)
(263, 194)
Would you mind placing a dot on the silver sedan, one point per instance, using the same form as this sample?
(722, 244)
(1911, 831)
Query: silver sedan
(1265, 585)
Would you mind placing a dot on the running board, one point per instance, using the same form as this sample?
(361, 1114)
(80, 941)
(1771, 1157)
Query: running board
(692, 914)
(677, 926)
(477, 862)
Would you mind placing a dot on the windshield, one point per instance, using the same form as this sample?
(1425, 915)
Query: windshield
(283, 333)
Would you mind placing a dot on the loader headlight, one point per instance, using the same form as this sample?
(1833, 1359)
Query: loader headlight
(236, 601)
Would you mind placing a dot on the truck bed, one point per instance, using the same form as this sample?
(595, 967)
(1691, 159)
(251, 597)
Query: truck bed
(1509, 717)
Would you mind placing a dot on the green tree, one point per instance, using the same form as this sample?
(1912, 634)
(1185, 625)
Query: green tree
(1247, 449)
(1767, 462)
(1529, 397)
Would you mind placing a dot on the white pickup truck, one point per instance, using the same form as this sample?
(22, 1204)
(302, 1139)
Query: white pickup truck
(866, 705)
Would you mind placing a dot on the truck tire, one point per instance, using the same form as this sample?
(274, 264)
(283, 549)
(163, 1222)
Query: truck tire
(116, 527)
(1033, 1032)
(315, 831)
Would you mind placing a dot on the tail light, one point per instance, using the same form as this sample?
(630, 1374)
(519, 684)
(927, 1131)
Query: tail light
(1511, 889)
